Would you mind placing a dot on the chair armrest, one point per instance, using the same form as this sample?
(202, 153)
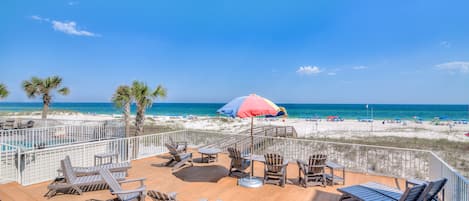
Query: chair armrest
(133, 180)
(140, 189)
(301, 162)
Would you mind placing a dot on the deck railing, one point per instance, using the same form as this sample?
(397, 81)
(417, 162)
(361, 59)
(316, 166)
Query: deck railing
(82, 131)
(41, 164)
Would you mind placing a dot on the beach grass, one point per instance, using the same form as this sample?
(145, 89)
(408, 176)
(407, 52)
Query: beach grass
(455, 153)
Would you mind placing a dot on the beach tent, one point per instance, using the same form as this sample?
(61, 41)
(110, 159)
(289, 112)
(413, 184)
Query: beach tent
(249, 107)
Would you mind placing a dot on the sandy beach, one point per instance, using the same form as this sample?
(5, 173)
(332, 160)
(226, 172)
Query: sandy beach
(347, 129)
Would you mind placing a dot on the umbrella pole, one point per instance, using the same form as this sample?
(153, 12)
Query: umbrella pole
(252, 146)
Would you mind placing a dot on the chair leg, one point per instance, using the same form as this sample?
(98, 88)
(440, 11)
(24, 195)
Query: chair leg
(344, 197)
(78, 190)
(169, 162)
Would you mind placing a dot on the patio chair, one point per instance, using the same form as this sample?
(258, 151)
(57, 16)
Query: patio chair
(116, 188)
(9, 124)
(238, 163)
(275, 169)
(94, 170)
(375, 191)
(73, 184)
(181, 159)
(313, 171)
(432, 190)
(30, 124)
(180, 146)
(159, 196)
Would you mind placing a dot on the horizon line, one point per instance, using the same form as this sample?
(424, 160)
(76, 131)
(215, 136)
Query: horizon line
(299, 103)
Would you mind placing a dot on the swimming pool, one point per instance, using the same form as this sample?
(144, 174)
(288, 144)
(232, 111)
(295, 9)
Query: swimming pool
(36, 145)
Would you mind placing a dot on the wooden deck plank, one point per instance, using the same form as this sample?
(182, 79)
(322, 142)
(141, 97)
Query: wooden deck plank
(161, 178)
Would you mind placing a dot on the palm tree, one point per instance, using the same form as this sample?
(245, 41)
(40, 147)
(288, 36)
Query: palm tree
(122, 99)
(3, 91)
(143, 98)
(44, 87)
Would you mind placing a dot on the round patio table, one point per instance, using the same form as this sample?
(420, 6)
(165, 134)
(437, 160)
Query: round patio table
(211, 154)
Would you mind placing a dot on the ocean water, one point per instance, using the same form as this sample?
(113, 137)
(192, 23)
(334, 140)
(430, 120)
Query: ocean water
(347, 111)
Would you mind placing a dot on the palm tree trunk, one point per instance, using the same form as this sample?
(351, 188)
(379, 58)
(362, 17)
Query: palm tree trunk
(45, 106)
(139, 120)
(127, 119)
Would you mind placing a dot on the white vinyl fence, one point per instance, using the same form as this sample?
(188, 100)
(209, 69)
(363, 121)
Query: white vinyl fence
(79, 131)
(9, 163)
(41, 164)
(457, 187)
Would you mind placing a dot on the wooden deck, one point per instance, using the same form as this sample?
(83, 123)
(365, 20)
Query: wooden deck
(203, 181)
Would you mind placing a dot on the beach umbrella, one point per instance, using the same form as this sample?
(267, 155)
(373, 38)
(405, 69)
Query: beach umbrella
(249, 107)
(281, 113)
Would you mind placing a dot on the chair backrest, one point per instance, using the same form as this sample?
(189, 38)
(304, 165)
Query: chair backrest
(273, 162)
(414, 193)
(173, 152)
(110, 180)
(30, 124)
(67, 170)
(235, 155)
(171, 148)
(432, 189)
(317, 163)
(159, 196)
(171, 141)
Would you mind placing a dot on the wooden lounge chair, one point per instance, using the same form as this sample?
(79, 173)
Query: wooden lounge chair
(159, 196)
(432, 190)
(374, 191)
(275, 169)
(93, 170)
(313, 171)
(116, 189)
(181, 159)
(180, 146)
(238, 163)
(73, 184)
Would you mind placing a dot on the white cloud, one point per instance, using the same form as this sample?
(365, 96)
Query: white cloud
(461, 66)
(308, 70)
(331, 73)
(359, 67)
(445, 44)
(38, 18)
(70, 28)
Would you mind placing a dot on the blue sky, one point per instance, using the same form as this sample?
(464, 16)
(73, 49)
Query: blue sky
(212, 51)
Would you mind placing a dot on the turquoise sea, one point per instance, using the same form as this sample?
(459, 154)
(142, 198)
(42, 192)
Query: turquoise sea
(347, 111)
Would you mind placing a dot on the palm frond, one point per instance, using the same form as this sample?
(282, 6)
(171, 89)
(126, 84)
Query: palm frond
(30, 88)
(160, 92)
(37, 86)
(122, 96)
(64, 91)
(3, 91)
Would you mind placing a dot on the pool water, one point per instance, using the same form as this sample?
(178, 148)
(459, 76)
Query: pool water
(30, 145)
